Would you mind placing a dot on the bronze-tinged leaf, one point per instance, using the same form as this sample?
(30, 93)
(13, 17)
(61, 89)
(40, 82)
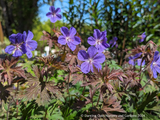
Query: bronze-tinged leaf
(52, 63)
(4, 93)
(76, 78)
(9, 70)
(57, 32)
(50, 39)
(132, 79)
(107, 54)
(91, 79)
(146, 50)
(111, 100)
(111, 104)
(78, 104)
(39, 88)
(113, 74)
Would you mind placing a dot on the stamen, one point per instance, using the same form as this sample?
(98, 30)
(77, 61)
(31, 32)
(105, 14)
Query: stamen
(154, 64)
(90, 60)
(68, 39)
(98, 41)
(53, 14)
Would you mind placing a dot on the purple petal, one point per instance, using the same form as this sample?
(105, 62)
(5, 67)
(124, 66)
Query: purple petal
(99, 58)
(131, 62)
(65, 31)
(85, 67)
(20, 38)
(91, 40)
(58, 16)
(158, 60)
(25, 34)
(97, 65)
(72, 32)
(82, 55)
(49, 14)
(52, 9)
(17, 53)
(97, 33)
(31, 44)
(130, 57)
(103, 37)
(143, 35)
(154, 73)
(12, 38)
(151, 66)
(71, 46)
(53, 19)
(92, 51)
(116, 45)
(29, 36)
(115, 38)
(155, 56)
(157, 68)
(104, 33)
(137, 55)
(106, 45)
(91, 67)
(29, 54)
(62, 40)
(9, 49)
(23, 48)
(58, 10)
(100, 48)
(141, 40)
(111, 42)
(76, 40)
(139, 62)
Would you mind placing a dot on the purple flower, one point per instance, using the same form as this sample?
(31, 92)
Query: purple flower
(132, 61)
(90, 58)
(53, 15)
(142, 37)
(69, 38)
(99, 40)
(155, 65)
(17, 46)
(30, 44)
(113, 42)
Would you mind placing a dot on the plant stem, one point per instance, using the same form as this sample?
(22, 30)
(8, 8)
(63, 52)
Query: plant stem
(8, 109)
(98, 99)
(69, 77)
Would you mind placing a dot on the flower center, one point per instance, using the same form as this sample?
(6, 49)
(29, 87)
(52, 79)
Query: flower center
(53, 14)
(154, 64)
(17, 47)
(98, 41)
(90, 60)
(68, 39)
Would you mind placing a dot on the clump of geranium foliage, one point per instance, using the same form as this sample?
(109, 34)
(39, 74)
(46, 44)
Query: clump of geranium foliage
(78, 82)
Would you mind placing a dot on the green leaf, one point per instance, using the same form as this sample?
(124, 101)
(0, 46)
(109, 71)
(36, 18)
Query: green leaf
(148, 37)
(155, 27)
(71, 2)
(149, 97)
(155, 108)
(6, 106)
(137, 24)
